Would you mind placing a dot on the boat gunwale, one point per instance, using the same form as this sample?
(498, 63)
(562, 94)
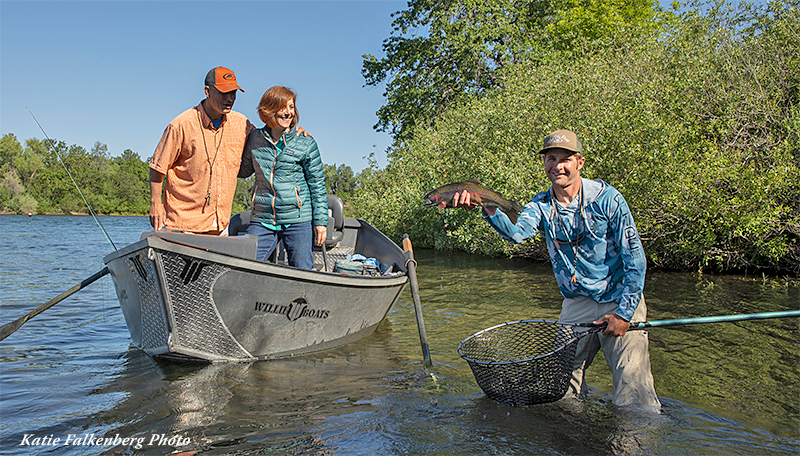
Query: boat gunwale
(258, 267)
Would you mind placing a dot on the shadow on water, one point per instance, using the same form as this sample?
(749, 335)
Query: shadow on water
(728, 388)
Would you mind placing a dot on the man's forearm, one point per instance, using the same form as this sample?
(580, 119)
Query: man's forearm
(156, 185)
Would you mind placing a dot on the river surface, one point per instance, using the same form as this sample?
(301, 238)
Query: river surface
(71, 382)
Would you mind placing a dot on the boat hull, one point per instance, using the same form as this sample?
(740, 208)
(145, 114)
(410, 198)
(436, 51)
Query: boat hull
(183, 300)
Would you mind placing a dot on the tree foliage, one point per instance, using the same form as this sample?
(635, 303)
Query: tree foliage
(584, 21)
(34, 178)
(442, 52)
(339, 180)
(696, 122)
(466, 42)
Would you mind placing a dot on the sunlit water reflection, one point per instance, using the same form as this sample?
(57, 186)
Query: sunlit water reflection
(727, 388)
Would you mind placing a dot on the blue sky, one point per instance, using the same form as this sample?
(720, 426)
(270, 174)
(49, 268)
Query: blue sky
(118, 71)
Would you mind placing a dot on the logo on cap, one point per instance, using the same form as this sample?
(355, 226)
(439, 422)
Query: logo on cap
(556, 139)
(223, 79)
(562, 139)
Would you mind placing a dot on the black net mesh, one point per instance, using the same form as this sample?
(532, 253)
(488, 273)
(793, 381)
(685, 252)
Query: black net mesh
(522, 362)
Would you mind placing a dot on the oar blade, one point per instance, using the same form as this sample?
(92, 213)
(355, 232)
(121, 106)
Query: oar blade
(10, 328)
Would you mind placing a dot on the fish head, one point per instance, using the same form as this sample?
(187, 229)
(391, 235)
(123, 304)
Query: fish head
(433, 198)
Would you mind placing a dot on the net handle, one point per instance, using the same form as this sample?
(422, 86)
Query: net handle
(712, 319)
(715, 319)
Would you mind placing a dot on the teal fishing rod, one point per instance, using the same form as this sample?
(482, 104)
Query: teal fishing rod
(97, 220)
(714, 319)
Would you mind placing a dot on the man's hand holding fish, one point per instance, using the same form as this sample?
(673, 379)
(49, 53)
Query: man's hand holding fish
(464, 199)
(475, 194)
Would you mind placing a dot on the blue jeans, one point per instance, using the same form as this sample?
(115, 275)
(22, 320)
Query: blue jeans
(297, 240)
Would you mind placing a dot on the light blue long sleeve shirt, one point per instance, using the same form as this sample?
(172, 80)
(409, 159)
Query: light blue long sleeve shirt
(610, 264)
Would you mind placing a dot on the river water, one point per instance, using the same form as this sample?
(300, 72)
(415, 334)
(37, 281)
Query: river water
(71, 383)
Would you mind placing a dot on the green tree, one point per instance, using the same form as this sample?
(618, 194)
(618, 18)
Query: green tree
(584, 21)
(10, 184)
(463, 45)
(34, 178)
(339, 180)
(10, 149)
(131, 184)
(12, 192)
(243, 195)
(696, 124)
(442, 52)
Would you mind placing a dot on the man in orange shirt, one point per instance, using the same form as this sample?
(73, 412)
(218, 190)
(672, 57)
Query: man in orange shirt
(200, 153)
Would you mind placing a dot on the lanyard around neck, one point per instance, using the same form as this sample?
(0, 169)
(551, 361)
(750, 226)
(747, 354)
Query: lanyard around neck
(555, 213)
(208, 158)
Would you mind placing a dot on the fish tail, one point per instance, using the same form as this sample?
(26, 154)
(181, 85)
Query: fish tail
(513, 212)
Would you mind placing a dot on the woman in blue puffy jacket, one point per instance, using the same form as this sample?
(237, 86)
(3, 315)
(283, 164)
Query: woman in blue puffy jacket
(289, 198)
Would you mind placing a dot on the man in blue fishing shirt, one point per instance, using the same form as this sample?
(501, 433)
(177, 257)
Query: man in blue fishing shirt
(598, 261)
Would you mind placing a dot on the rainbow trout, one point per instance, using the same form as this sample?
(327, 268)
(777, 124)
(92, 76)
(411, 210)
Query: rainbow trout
(442, 197)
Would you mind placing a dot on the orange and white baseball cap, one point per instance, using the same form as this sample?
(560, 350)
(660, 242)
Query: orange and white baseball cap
(222, 79)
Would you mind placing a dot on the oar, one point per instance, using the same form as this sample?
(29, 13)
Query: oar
(324, 257)
(714, 319)
(411, 265)
(10, 328)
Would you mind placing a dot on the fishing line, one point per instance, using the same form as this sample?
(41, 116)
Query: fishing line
(73, 181)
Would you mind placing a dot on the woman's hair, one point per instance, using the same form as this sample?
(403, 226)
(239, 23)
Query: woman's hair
(273, 100)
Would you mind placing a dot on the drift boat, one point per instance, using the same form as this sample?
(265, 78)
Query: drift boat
(202, 297)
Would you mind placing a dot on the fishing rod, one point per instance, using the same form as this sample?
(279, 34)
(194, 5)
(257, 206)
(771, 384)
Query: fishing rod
(8, 329)
(97, 220)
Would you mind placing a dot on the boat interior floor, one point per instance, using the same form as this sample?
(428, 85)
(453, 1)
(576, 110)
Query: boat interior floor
(244, 246)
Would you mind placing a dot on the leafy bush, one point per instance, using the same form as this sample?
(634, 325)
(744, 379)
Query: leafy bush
(698, 125)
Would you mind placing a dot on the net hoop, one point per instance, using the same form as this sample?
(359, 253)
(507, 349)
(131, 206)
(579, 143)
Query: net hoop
(500, 363)
(522, 362)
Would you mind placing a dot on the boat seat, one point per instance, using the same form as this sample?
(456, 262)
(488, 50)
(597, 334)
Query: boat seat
(238, 223)
(335, 221)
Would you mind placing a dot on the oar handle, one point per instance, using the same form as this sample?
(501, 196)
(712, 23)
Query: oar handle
(715, 319)
(411, 266)
(324, 257)
(407, 248)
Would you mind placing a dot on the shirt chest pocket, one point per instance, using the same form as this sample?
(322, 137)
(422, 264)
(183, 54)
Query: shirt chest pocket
(233, 149)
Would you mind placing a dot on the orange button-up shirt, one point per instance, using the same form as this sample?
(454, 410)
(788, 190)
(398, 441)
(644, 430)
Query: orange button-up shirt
(201, 164)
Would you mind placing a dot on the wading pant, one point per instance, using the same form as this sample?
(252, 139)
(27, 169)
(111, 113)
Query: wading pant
(628, 356)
